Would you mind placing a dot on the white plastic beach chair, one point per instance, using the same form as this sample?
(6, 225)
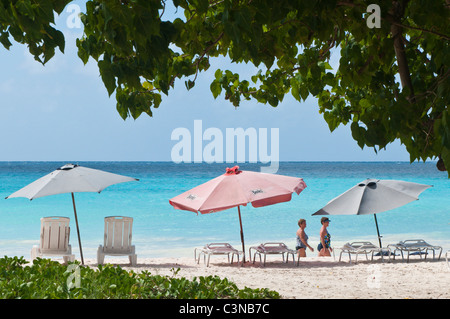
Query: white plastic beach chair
(271, 249)
(360, 247)
(54, 239)
(117, 239)
(216, 249)
(418, 246)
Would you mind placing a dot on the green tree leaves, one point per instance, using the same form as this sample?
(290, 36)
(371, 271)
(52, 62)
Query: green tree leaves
(392, 82)
(131, 46)
(29, 22)
(47, 279)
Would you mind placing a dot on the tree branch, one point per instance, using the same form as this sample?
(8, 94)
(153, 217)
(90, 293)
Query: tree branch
(205, 52)
(396, 12)
(398, 24)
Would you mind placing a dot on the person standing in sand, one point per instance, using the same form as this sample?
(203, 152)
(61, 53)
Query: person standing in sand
(302, 239)
(324, 247)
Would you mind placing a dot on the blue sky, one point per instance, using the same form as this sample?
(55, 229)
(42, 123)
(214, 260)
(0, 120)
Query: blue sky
(62, 112)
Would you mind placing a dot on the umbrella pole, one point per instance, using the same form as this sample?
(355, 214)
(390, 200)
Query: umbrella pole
(242, 235)
(378, 231)
(78, 229)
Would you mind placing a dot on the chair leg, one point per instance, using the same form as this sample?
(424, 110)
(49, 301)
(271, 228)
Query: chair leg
(68, 258)
(293, 257)
(395, 254)
(199, 256)
(100, 255)
(34, 252)
(254, 257)
(237, 257)
(133, 259)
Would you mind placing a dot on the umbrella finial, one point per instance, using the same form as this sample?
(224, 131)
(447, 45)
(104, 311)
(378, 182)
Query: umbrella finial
(233, 171)
(67, 167)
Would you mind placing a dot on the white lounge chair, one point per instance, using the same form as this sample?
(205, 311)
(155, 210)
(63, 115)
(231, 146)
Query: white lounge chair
(446, 258)
(360, 247)
(216, 249)
(418, 246)
(54, 239)
(271, 249)
(117, 239)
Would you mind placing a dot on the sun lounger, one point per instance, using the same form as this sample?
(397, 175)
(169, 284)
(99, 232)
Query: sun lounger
(446, 258)
(54, 239)
(272, 249)
(360, 247)
(117, 239)
(415, 246)
(216, 249)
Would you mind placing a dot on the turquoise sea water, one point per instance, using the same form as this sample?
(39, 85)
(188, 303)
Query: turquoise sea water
(161, 231)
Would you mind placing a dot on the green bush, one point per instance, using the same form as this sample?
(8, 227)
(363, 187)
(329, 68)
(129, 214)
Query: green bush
(46, 279)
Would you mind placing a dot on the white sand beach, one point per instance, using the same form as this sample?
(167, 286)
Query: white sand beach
(315, 277)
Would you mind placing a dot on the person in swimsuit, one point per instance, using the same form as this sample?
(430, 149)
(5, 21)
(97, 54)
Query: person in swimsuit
(324, 247)
(302, 239)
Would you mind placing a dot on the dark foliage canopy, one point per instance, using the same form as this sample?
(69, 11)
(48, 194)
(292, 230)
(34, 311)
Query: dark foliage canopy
(392, 81)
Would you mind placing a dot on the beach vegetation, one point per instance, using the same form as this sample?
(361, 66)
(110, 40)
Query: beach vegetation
(47, 279)
(391, 81)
